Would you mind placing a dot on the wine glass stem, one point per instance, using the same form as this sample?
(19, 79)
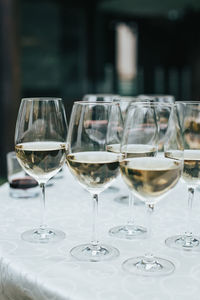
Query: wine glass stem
(190, 204)
(95, 242)
(131, 209)
(150, 210)
(43, 202)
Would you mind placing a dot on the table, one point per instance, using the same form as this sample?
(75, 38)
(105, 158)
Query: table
(33, 271)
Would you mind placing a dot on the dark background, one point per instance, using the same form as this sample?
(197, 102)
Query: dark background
(68, 49)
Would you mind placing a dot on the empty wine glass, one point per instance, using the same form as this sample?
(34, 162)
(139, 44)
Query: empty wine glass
(91, 126)
(40, 137)
(189, 115)
(149, 178)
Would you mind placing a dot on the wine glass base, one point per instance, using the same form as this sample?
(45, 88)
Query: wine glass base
(89, 252)
(141, 266)
(48, 235)
(128, 232)
(183, 242)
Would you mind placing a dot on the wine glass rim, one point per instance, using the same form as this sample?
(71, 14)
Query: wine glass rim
(150, 158)
(102, 95)
(156, 95)
(127, 99)
(94, 103)
(41, 99)
(152, 104)
(188, 102)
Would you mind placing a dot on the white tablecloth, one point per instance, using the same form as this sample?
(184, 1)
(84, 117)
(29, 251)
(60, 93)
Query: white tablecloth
(33, 271)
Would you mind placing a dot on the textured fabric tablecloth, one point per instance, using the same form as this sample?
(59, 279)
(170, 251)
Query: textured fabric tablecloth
(33, 271)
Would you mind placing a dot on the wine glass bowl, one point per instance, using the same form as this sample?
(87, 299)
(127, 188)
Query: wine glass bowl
(40, 137)
(41, 160)
(151, 177)
(90, 168)
(101, 98)
(125, 102)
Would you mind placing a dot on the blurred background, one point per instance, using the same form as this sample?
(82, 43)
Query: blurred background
(70, 48)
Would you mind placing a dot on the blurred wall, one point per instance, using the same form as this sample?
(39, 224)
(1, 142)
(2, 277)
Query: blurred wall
(9, 77)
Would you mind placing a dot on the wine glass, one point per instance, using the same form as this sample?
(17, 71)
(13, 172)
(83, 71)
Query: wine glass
(149, 178)
(92, 165)
(189, 115)
(137, 145)
(124, 102)
(40, 138)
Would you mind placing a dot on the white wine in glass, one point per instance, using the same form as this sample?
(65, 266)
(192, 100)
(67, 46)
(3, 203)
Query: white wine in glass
(40, 145)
